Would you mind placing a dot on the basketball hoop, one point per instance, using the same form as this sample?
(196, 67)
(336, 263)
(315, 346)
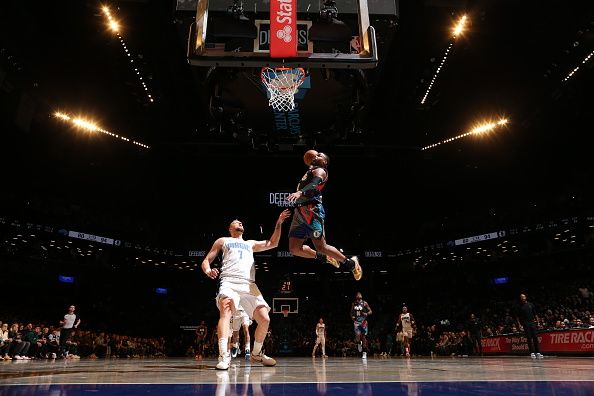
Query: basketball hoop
(285, 313)
(282, 84)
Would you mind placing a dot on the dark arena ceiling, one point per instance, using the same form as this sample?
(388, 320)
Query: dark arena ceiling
(214, 151)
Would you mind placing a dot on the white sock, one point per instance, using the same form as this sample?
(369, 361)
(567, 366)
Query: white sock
(257, 348)
(222, 346)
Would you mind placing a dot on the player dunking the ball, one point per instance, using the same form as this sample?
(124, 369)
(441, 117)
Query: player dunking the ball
(308, 217)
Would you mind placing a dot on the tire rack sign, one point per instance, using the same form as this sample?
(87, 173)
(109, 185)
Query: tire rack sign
(262, 41)
(551, 341)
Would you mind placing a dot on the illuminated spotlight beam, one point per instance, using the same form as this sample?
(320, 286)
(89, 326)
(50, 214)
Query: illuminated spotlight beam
(478, 130)
(457, 30)
(115, 27)
(92, 127)
(584, 61)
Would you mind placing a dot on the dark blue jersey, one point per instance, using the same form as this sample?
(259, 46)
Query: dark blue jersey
(311, 195)
(359, 310)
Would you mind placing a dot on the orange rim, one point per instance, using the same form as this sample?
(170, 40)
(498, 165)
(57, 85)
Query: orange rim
(295, 84)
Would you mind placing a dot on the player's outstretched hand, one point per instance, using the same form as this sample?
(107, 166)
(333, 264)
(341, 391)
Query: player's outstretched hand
(213, 273)
(285, 214)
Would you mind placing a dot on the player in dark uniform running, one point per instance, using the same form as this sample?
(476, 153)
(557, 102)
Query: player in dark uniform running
(308, 220)
(360, 310)
(201, 332)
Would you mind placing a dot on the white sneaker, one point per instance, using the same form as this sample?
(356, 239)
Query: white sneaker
(53, 355)
(224, 362)
(263, 359)
(539, 355)
(359, 346)
(234, 350)
(533, 355)
(364, 355)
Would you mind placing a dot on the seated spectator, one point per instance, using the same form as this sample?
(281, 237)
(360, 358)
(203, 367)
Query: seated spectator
(18, 347)
(31, 335)
(4, 342)
(71, 345)
(43, 339)
(99, 346)
(443, 345)
(53, 344)
(578, 324)
(85, 343)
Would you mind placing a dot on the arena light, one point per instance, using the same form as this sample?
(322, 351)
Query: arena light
(114, 26)
(457, 30)
(459, 27)
(584, 61)
(84, 124)
(480, 129)
(90, 126)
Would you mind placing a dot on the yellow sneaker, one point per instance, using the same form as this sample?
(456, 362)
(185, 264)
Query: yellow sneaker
(332, 261)
(357, 271)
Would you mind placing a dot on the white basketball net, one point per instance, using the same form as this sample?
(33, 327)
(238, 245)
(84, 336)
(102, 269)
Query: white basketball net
(282, 86)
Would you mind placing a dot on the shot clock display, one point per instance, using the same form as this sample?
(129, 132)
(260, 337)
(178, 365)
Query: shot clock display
(286, 287)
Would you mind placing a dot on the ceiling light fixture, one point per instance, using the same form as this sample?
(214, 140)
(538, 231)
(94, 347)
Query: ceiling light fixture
(584, 61)
(480, 129)
(457, 30)
(115, 27)
(92, 127)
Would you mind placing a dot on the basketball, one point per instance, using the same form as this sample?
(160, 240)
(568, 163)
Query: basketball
(309, 156)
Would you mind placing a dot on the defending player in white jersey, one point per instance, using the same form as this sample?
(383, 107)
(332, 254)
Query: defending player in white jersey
(238, 287)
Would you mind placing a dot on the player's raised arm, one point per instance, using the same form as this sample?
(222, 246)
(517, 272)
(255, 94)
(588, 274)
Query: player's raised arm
(319, 175)
(272, 242)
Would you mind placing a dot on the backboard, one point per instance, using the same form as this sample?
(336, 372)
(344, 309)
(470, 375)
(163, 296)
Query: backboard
(290, 303)
(228, 45)
(329, 33)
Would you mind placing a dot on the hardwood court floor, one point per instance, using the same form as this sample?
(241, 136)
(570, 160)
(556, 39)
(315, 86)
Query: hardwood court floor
(302, 376)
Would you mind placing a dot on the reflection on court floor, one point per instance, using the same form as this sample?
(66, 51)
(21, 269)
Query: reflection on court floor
(302, 377)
